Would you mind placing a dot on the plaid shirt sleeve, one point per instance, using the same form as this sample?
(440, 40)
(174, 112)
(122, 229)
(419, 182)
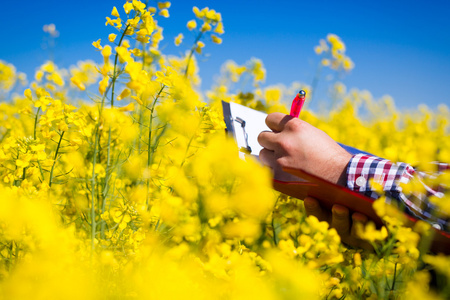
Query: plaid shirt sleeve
(363, 168)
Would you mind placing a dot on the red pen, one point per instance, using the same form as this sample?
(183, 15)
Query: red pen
(297, 104)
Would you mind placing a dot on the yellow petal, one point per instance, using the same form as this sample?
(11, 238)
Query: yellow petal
(216, 39)
(191, 24)
(164, 13)
(128, 7)
(97, 45)
(78, 83)
(28, 94)
(162, 5)
(112, 37)
(106, 52)
(129, 107)
(115, 13)
(138, 100)
(125, 93)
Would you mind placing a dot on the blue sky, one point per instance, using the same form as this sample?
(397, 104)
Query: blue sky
(400, 48)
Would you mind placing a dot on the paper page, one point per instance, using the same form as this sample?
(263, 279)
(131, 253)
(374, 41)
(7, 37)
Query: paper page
(247, 132)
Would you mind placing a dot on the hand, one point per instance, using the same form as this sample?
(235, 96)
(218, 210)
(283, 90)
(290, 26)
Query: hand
(339, 219)
(297, 144)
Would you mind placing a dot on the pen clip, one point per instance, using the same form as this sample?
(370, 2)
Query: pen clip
(246, 149)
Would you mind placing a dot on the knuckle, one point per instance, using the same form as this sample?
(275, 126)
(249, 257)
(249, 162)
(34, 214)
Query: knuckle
(282, 162)
(294, 125)
(262, 152)
(286, 145)
(260, 137)
(264, 157)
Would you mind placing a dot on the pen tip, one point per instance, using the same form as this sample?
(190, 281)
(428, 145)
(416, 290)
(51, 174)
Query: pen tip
(302, 93)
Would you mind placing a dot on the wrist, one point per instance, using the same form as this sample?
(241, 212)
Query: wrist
(341, 162)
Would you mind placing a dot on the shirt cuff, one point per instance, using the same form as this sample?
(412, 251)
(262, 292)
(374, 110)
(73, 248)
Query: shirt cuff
(363, 168)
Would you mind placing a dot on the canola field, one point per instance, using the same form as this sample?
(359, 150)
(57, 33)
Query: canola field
(107, 193)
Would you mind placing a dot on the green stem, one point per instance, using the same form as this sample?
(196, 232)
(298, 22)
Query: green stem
(55, 159)
(149, 146)
(16, 255)
(94, 161)
(150, 149)
(108, 155)
(40, 170)
(190, 141)
(274, 232)
(395, 275)
(191, 53)
(114, 77)
(144, 56)
(35, 122)
(24, 173)
(141, 126)
(113, 85)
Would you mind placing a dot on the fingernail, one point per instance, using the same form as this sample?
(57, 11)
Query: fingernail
(340, 211)
(310, 203)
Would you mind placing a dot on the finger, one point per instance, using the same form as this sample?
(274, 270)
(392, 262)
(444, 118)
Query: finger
(340, 219)
(276, 121)
(267, 139)
(357, 218)
(267, 157)
(312, 208)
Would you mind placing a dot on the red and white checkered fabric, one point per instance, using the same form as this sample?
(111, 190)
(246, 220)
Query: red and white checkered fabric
(363, 169)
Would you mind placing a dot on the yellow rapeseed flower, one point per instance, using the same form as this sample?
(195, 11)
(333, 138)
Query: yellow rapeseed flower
(28, 94)
(318, 50)
(106, 53)
(197, 12)
(165, 77)
(191, 25)
(97, 45)
(42, 102)
(128, 107)
(76, 81)
(200, 46)
(125, 93)
(136, 52)
(216, 39)
(115, 23)
(124, 54)
(370, 233)
(325, 62)
(127, 7)
(126, 44)
(138, 100)
(112, 37)
(115, 13)
(7, 75)
(139, 6)
(348, 64)
(219, 28)
(162, 5)
(103, 84)
(206, 27)
(179, 39)
(164, 13)
(20, 163)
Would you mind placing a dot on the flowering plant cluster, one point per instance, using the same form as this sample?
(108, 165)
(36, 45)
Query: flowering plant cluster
(122, 198)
